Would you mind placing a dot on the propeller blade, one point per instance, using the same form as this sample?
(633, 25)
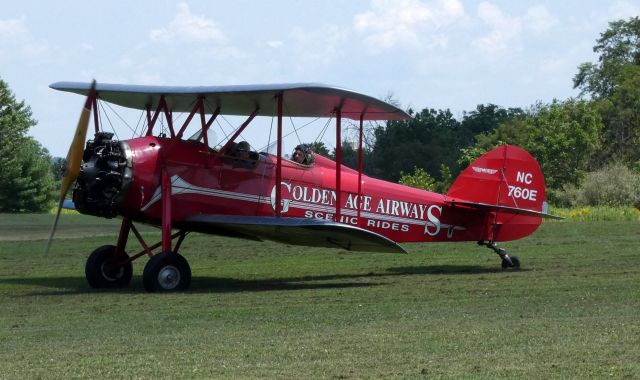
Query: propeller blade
(74, 159)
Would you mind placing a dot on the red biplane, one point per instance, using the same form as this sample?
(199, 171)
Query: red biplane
(190, 184)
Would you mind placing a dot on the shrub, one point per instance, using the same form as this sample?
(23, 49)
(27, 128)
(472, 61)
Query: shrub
(614, 185)
(419, 179)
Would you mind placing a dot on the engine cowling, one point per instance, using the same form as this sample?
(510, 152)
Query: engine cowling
(105, 176)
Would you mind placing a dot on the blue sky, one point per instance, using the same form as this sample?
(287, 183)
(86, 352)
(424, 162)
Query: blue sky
(441, 54)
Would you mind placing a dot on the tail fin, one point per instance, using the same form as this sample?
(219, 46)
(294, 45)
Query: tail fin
(508, 185)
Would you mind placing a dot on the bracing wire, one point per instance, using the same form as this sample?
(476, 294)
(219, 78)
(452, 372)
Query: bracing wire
(106, 115)
(135, 131)
(117, 115)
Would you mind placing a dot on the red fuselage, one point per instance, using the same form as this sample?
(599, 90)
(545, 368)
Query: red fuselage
(205, 183)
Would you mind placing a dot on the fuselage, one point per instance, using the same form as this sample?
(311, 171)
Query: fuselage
(204, 182)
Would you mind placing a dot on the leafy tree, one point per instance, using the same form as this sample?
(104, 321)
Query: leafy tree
(563, 136)
(320, 148)
(58, 165)
(621, 115)
(486, 118)
(422, 180)
(26, 181)
(419, 179)
(426, 141)
(617, 46)
(433, 141)
(613, 82)
(350, 156)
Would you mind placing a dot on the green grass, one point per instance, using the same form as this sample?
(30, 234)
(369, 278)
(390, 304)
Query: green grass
(265, 310)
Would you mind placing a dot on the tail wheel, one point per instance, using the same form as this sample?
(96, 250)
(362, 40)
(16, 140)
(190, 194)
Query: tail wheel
(166, 272)
(104, 270)
(512, 262)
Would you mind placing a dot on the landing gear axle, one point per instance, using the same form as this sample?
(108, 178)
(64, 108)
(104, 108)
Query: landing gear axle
(507, 261)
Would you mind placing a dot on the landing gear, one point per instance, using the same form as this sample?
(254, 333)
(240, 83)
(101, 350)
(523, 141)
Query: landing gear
(166, 272)
(109, 267)
(508, 262)
(106, 270)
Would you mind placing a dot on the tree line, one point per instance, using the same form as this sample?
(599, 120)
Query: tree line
(583, 145)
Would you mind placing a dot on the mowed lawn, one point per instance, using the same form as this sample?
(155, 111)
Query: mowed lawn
(267, 310)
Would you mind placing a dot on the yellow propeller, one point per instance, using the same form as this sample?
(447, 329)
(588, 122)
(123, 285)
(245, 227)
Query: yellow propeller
(74, 158)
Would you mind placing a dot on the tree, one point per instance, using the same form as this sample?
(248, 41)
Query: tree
(617, 46)
(621, 115)
(486, 118)
(319, 147)
(422, 180)
(429, 139)
(350, 156)
(613, 84)
(418, 179)
(563, 136)
(26, 181)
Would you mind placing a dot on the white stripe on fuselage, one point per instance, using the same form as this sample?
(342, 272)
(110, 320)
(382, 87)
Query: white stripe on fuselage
(180, 186)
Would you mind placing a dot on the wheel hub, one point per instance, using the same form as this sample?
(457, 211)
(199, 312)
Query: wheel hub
(169, 277)
(111, 272)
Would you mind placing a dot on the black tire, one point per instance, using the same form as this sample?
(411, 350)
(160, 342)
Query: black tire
(102, 270)
(166, 272)
(514, 264)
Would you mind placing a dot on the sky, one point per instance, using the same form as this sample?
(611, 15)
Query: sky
(442, 54)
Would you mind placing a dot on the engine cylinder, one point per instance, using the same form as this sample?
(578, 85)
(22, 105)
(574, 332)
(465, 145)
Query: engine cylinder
(105, 176)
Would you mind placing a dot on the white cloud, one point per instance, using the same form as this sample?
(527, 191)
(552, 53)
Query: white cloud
(506, 31)
(13, 31)
(321, 45)
(503, 29)
(410, 23)
(275, 44)
(186, 27)
(623, 10)
(17, 43)
(539, 19)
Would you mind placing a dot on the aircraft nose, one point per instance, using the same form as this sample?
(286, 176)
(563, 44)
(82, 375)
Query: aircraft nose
(104, 176)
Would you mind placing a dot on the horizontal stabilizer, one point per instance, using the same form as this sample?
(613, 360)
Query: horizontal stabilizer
(296, 231)
(507, 209)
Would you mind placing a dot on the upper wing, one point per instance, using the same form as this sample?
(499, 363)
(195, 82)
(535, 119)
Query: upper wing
(297, 231)
(300, 99)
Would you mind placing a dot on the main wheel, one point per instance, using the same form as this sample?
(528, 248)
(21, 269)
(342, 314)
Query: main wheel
(515, 263)
(166, 272)
(103, 271)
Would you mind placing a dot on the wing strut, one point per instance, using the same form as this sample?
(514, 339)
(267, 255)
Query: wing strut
(279, 158)
(244, 125)
(207, 125)
(151, 120)
(199, 105)
(338, 162)
(360, 163)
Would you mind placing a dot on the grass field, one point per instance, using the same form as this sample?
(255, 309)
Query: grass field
(265, 310)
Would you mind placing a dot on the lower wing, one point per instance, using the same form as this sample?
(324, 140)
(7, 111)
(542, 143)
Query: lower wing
(297, 231)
